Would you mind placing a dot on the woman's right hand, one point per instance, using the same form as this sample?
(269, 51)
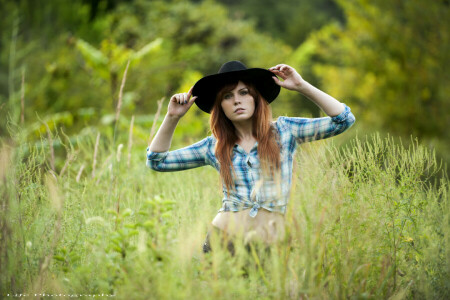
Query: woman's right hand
(179, 104)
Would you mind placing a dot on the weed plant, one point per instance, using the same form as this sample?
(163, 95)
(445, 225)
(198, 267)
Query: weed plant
(368, 220)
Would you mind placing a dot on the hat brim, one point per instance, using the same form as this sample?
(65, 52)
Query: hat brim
(206, 88)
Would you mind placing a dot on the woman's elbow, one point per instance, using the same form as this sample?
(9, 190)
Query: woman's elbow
(351, 119)
(154, 165)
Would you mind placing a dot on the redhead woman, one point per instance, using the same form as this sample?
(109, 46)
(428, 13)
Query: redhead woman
(253, 154)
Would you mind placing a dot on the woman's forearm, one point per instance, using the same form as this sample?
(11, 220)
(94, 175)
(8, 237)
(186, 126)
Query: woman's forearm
(179, 104)
(327, 103)
(293, 81)
(163, 138)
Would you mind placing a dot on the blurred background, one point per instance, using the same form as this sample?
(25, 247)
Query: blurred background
(62, 62)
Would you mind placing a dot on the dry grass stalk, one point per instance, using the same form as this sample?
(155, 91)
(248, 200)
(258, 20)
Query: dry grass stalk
(54, 193)
(5, 229)
(119, 151)
(119, 102)
(57, 203)
(53, 173)
(130, 141)
(80, 172)
(70, 157)
(94, 162)
(22, 98)
(50, 143)
(105, 167)
(5, 156)
(158, 111)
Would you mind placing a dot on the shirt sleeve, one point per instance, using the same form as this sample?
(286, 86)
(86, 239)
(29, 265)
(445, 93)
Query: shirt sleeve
(311, 129)
(192, 156)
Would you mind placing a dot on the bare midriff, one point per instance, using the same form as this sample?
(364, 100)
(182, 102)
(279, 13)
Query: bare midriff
(266, 226)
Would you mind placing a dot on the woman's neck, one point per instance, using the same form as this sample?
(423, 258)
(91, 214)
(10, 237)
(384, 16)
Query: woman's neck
(244, 130)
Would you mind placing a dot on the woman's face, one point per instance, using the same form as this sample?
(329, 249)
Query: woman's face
(237, 104)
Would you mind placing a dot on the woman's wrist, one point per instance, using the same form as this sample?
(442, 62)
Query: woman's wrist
(303, 87)
(327, 103)
(173, 118)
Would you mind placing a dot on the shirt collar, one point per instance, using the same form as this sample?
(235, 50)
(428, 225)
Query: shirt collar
(240, 149)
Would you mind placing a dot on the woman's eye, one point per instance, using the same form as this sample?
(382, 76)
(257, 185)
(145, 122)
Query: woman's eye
(244, 92)
(227, 96)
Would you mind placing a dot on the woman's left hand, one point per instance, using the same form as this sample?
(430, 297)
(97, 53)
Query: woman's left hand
(291, 79)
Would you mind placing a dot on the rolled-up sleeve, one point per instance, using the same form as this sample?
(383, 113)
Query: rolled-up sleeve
(311, 129)
(192, 156)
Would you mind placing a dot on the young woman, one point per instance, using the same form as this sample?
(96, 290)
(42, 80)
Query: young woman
(253, 155)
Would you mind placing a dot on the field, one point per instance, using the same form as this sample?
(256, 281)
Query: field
(366, 220)
(82, 83)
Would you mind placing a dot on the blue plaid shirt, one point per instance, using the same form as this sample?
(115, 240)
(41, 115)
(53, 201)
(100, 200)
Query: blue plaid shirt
(253, 189)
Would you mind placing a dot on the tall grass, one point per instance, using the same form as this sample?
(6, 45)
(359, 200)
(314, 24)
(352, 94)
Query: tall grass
(369, 220)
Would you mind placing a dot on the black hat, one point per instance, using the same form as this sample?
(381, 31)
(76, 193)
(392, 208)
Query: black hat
(206, 88)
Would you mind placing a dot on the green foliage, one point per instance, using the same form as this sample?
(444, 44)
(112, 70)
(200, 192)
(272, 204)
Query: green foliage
(369, 220)
(388, 60)
(290, 20)
(369, 55)
(79, 70)
(366, 221)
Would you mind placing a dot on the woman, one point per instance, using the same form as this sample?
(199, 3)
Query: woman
(253, 155)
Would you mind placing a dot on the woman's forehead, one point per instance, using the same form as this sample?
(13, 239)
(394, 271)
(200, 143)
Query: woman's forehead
(240, 85)
(234, 86)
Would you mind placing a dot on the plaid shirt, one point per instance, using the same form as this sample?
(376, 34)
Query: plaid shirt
(253, 189)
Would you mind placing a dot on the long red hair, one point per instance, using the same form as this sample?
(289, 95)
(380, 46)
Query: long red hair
(263, 131)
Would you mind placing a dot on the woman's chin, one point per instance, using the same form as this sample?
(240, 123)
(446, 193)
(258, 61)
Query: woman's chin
(240, 118)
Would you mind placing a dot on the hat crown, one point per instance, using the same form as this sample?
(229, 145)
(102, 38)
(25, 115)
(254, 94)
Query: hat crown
(231, 66)
(206, 89)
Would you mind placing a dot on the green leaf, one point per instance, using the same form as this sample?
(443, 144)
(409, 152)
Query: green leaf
(127, 212)
(130, 225)
(58, 257)
(147, 49)
(92, 55)
(149, 224)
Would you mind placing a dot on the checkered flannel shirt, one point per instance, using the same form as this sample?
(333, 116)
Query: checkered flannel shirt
(252, 188)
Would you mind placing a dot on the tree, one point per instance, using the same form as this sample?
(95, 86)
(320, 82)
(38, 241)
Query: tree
(389, 62)
(74, 67)
(290, 20)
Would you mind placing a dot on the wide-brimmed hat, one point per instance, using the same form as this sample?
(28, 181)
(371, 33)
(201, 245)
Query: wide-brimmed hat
(206, 88)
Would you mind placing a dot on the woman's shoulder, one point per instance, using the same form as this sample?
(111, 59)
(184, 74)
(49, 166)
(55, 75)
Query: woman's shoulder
(211, 141)
(280, 123)
(207, 142)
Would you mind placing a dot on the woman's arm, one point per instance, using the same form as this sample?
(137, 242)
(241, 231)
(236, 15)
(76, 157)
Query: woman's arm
(159, 158)
(310, 129)
(193, 156)
(293, 81)
(179, 104)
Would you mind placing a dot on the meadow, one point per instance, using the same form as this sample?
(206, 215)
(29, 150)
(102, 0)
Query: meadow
(366, 220)
(82, 216)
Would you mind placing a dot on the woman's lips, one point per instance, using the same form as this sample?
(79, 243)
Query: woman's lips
(239, 110)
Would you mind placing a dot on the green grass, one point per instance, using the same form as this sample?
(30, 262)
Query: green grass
(369, 220)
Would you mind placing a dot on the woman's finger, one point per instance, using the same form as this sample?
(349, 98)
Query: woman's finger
(277, 67)
(183, 98)
(190, 91)
(283, 68)
(277, 81)
(279, 73)
(192, 101)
